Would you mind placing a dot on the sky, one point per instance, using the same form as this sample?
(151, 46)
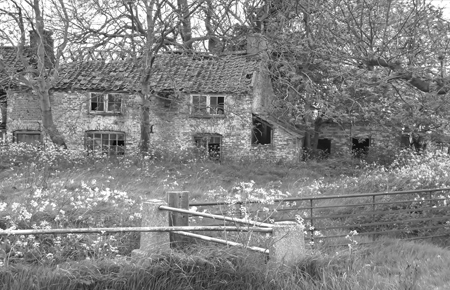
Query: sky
(444, 4)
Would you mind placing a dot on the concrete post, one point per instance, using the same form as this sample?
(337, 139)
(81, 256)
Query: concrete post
(178, 199)
(288, 244)
(153, 242)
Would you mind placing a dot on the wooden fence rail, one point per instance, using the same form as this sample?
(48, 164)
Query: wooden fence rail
(416, 214)
(132, 229)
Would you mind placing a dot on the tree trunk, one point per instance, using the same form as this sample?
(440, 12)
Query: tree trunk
(213, 42)
(311, 139)
(47, 121)
(149, 58)
(41, 85)
(186, 31)
(145, 126)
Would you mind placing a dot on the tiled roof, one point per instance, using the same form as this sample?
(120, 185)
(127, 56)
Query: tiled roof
(230, 73)
(9, 61)
(288, 127)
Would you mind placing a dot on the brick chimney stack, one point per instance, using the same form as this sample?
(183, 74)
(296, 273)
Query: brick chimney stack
(48, 46)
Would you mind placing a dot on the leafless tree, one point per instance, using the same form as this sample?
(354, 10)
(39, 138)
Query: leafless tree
(38, 68)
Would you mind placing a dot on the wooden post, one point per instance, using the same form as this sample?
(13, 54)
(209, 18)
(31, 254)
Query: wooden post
(288, 244)
(153, 242)
(178, 199)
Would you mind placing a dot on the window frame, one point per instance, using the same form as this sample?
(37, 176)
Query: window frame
(205, 141)
(210, 110)
(26, 132)
(106, 103)
(92, 148)
(264, 124)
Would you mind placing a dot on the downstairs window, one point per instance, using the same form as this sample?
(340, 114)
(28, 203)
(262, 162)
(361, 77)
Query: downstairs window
(30, 137)
(107, 142)
(210, 142)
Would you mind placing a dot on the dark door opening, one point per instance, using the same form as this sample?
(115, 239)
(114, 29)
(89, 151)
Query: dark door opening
(360, 146)
(405, 141)
(324, 145)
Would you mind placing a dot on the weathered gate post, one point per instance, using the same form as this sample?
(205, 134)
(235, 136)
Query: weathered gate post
(153, 242)
(178, 199)
(288, 243)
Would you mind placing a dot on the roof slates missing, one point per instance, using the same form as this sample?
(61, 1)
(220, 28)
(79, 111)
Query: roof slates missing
(171, 72)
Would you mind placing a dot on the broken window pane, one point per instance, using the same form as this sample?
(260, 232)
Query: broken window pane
(212, 105)
(217, 105)
(97, 103)
(211, 143)
(262, 132)
(106, 102)
(360, 146)
(214, 147)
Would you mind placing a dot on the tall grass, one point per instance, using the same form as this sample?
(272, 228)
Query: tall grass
(388, 264)
(60, 188)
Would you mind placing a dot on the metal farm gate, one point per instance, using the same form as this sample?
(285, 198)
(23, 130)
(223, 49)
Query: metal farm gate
(333, 220)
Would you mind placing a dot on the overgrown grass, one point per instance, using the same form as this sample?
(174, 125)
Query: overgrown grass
(61, 189)
(388, 264)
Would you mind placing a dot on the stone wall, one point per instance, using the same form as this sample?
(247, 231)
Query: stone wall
(71, 114)
(286, 147)
(173, 125)
(341, 136)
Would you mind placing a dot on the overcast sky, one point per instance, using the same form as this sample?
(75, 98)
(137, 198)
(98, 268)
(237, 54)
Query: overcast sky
(445, 4)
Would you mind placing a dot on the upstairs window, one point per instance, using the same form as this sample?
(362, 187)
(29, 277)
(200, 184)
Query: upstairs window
(106, 142)
(262, 132)
(105, 103)
(207, 105)
(210, 142)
